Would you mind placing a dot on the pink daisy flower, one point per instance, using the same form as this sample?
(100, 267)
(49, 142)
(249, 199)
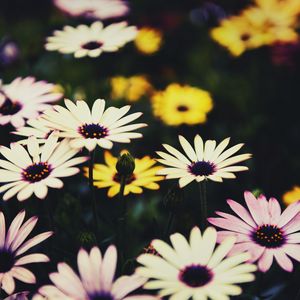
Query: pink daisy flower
(263, 230)
(25, 98)
(12, 248)
(96, 280)
(96, 9)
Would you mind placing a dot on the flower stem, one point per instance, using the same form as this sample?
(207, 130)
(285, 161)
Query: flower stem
(169, 224)
(122, 219)
(92, 189)
(203, 204)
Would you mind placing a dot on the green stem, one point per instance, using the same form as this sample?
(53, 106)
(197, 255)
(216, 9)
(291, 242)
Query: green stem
(203, 204)
(169, 224)
(123, 218)
(92, 189)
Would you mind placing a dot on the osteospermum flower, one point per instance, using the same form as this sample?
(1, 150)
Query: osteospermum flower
(144, 175)
(204, 161)
(178, 105)
(148, 40)
(33, 170)
(292, 195)
(89, 128)
(131, 89)
(25, 98)
(263, 230)
(97, 9)
(96, 280)
(36, 128)
(91, 40)
(194, 268)
(12, 248)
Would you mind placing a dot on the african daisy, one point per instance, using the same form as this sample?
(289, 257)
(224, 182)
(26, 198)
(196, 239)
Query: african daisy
(96, 9)
(12, 248)
(195, 269)
(89, 128)
(263, 230)
(33, 170)
(91, 40)
(96, 280)
(25, 98)
(34, 127)
(204, 161)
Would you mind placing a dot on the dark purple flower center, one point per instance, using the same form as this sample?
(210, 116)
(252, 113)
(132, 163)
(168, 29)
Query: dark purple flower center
(202, 168)
(195, 275)
(269, 236)
(37, 172)
(245, 37)
(7, 260)
(9, 107)
(93, 131)
(182, 108)
(92, 45)
(117, 178)
(101, 296)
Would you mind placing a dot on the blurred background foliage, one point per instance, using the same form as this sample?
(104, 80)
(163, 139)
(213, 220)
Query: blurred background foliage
(255, 102)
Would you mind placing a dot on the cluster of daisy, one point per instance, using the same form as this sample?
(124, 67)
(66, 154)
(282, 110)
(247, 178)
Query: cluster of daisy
(265, 23)
(209, 264)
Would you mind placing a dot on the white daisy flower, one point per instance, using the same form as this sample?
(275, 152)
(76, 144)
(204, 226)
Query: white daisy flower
(195, 269)
(91, 40)
(25, 98)
(36, 128)
(96, 9)
(12, 248)
(18, 296)
(96, 280)
(204, 161)
(25, 172)
(89, 128)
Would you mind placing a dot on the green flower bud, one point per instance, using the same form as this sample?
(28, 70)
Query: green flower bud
(125, 165)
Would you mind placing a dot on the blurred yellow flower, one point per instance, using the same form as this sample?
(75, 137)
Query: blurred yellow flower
(181, 104)
(236, 35)
(132, 88)
(267, 22)
(148, 40)
(292, 195)
(105, 175)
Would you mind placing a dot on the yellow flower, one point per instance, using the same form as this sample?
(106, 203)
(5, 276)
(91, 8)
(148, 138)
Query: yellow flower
(266, 23)
(273, 23)
(148, 40)
(132, 88)
(179, 104)
(291, 196)
(236, 35)
(105, 175)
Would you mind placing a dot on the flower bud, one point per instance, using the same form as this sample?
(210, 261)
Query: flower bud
(87, 238)
(125, 165)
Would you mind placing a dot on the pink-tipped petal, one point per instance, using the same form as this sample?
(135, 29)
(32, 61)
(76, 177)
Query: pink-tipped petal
(2, 229)
(14, 228)
(292, 251)
(108, 267)
(274, 211)
(284, 262)
(241, 212)
(226, 224)
(254, 207)
(289, 213)
(126, 284)
(266, 260)
(23, 275)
